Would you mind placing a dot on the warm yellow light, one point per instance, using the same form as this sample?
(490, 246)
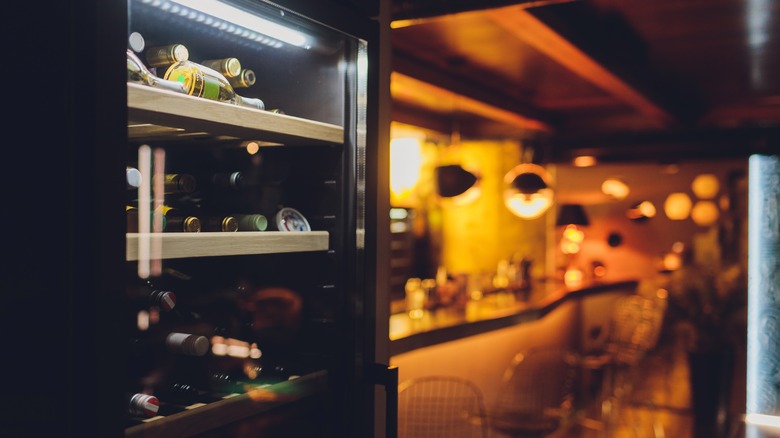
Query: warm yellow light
(573, 277)
(584, 161)
(705, 213)
(569, 247)
(647, 209)
(677, 206)
(672, 261)
(615, 188)
(529, 206)
(405, 164)
(705, 186)
(252, 147)
(573, 234)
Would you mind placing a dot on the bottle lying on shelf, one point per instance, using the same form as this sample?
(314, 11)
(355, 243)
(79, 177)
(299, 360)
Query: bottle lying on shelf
(177, 220)
(165, 56)
(208, 83)
(179, 183)
(138, 73)
(227, 224)
(245, 79)
(228, 67)
(142, 405)
(251, 222)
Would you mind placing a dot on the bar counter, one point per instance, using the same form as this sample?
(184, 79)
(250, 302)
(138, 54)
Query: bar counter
(496, 310)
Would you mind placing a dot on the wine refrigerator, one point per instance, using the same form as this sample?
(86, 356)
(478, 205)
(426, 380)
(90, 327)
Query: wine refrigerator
(202, 256)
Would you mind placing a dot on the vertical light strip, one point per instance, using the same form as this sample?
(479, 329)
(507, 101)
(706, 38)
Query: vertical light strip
(763, 349)
(144, 215)
(158, 190)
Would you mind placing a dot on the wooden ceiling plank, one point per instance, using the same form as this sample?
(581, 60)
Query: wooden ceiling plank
(520, 23)
(407, 88)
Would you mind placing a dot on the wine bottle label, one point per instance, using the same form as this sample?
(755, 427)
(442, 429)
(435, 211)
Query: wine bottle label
(188, 344)
(290, 219)
(144, 405)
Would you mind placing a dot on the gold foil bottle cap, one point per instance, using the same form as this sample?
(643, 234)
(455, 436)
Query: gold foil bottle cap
(229, 67)
(229, 224)
(191, 224)
(167, 55)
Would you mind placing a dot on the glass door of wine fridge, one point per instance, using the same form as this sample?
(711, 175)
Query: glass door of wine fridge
(245, 240)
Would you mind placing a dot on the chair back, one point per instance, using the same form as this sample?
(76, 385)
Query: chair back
(440, 407)
(635, 328)
(536, 394)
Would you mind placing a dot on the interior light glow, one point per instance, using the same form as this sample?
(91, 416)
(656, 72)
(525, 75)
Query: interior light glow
(705, 213)
(584, 161)
(615, 188)
(528, 206)
(234, 20)
(405, 164)
(763, 420)
(705, 186)
(677, 206)
(573, 277)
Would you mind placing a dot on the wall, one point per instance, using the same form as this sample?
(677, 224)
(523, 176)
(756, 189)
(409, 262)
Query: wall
(645, 243)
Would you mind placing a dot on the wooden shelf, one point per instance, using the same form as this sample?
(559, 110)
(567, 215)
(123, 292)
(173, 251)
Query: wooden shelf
(185, 245)
(218, 414)
(154, 113)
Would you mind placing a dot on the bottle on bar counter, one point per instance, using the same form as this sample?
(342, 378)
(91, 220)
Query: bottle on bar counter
(229, 67)
(138, 73)
(202, 81)
(245, 79)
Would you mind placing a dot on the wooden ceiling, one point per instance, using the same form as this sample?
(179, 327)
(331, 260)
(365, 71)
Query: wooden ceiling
(625, 78)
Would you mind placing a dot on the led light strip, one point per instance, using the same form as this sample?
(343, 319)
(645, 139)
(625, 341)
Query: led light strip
(233, 20)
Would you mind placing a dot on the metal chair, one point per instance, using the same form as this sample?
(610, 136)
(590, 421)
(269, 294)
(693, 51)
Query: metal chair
(440, 407)
(536, 397)
(634, 330)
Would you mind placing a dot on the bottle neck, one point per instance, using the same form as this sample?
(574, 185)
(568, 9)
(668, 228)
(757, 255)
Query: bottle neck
(170, 85)
(251, 102)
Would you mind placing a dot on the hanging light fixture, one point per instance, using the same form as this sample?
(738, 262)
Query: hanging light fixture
(528, 192)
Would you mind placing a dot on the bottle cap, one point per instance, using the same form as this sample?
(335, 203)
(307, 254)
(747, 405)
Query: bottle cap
(290, 219)
(184, 343)
(164, 299)
(252, 222)
(144, 405)
(133, 177)
(229, 224)
(136, 42)
(191, 224)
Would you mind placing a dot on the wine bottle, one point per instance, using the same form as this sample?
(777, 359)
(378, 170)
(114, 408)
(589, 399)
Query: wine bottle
(229, 67)
(251, 222)
(148, 295)
(187, 344)
(164, 56)
(132, 219)
(176, 220)
(185, 394)
(138, 73)
(205, 82)
(179, 183)
(220, 223)
(245, 79)
(142, 405)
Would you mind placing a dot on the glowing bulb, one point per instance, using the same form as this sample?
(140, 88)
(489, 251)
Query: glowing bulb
(573, 234)
(677, 206)
(705, 186)
(615, 188)
(705, 213)
(572, 277)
